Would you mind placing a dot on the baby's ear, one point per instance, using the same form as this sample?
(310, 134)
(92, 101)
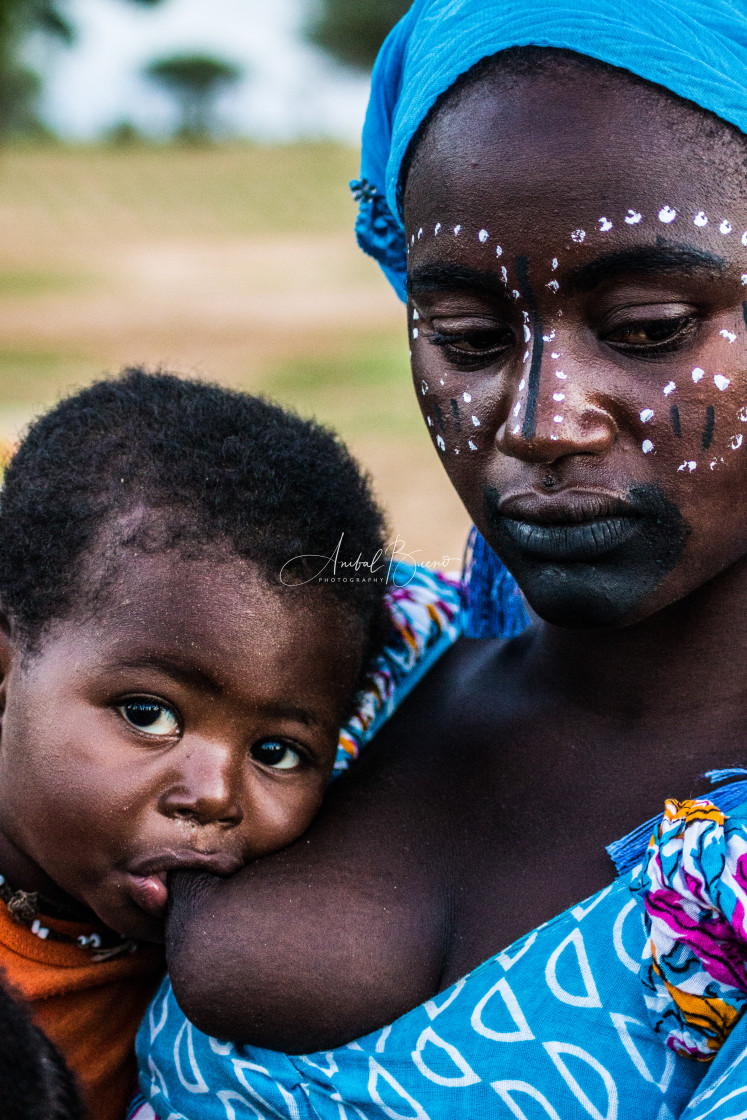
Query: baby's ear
(7, 655)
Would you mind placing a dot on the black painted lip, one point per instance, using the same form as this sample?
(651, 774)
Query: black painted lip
(583, 540)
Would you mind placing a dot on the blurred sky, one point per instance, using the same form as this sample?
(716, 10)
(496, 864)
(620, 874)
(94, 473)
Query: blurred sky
(290, 90)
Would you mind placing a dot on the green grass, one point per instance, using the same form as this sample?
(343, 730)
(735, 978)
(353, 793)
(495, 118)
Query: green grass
(232, 189)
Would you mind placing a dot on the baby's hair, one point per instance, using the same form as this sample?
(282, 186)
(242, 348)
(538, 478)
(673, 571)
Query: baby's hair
(219, 468)
(685, 118)
(35, 1083)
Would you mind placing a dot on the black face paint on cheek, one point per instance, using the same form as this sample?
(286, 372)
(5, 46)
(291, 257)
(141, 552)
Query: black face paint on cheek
(439, 415)
(533, 380)
(594, 573)
(709, 427)
(744, 312)
(674, 413)
(455, 415)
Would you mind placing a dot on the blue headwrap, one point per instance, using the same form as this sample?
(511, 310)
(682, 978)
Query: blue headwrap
(696, 48)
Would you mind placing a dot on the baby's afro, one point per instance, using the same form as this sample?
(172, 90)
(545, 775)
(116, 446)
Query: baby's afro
(226, 468)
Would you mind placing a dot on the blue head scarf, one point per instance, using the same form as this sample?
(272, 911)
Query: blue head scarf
(696, 48)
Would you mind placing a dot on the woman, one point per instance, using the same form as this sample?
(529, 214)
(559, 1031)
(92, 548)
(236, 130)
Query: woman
(569, 185)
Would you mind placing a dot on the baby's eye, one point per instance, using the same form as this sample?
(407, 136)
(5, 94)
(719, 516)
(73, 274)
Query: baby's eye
(149, 715)
(274, 753)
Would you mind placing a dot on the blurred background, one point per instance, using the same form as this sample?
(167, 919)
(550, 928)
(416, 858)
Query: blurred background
(173, 192)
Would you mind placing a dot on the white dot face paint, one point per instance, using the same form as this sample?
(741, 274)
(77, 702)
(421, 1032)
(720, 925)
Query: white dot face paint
(688, 465)
(423, 387)
(475, 421)
(558, 419)
(466, 397)
(725, 227)
(440, 442)
(744, 238)
(472, 445)
(647, 414)
(517, 408)
(728, 335)
(483, 235)
(721, 382)
(516, 294)
(647, 447)
(697, 374)
(667, 215)
(559, 373)
(526, 356)
(744, 278)
(736, 442)
(669, 388)
(504, 274)
(554, 263)
(498, 251)
(742, 415)
(633, 217)
(555, 355)
(558, 396)
(522, 385)
(604, 225)
(527, 333)
(437, 229)
(578, 236)
(415, 331)
(412, 239)
(420, 233)
(457, 230)
(548, 337)
(700, 219)
(553, 285)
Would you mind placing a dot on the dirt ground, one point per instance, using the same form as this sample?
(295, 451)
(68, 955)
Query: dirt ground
(235, 264)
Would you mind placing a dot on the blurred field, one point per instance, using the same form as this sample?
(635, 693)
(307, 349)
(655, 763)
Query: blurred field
(236, 263)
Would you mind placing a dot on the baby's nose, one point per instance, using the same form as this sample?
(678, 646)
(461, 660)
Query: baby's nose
(205, 788)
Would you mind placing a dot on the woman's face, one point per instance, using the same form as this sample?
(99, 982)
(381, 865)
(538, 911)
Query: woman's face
(578, 278)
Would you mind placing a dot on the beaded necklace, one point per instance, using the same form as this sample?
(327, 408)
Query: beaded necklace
(24, 908)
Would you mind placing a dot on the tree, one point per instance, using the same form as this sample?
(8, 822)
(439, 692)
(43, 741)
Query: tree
(19, 84)
(194, 80)
(353, 30)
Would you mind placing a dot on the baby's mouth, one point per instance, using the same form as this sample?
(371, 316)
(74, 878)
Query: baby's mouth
(150, 893)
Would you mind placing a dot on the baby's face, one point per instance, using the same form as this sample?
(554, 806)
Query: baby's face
(193, 723)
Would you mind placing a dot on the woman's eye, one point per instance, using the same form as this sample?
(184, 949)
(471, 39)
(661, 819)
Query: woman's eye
(473, 346)
(275, 754)
(149, 715)
(652, 334)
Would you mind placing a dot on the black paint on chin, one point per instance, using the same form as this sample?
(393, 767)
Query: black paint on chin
(604, 592)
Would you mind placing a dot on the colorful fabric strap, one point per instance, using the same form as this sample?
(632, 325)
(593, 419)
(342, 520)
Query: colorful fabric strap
(424, 611)
(693, 888)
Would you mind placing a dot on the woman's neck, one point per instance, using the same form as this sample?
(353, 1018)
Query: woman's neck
(686, 657)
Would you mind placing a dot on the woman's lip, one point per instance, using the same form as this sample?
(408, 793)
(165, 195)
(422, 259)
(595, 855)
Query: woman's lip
(577, 541)
(150, 893)
(568, 507)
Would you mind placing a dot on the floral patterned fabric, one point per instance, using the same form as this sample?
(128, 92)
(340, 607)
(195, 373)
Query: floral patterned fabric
(694, 892)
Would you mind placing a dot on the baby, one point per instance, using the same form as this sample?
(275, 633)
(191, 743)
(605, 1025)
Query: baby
(175, 675)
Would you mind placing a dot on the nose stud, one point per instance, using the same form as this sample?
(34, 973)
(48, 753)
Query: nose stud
(549, 481)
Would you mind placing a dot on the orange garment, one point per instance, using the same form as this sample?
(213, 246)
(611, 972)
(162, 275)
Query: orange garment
(91, 1011)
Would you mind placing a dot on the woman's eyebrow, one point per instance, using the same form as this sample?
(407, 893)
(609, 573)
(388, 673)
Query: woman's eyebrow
(683, 259)
(454, 278)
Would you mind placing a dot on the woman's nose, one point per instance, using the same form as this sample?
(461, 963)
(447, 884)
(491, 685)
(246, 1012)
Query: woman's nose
(552, 415)
(205, 789)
